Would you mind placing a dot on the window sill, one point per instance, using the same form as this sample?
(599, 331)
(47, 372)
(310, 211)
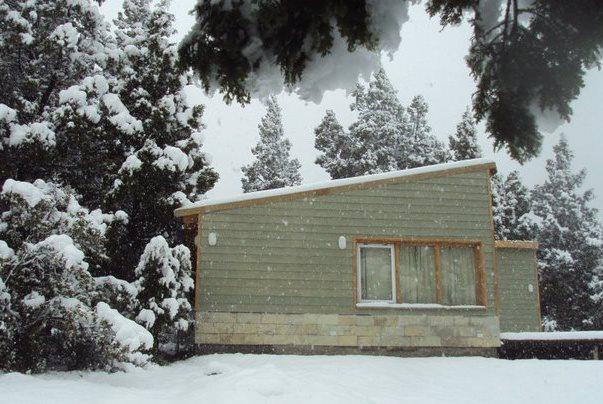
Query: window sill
(416, 306)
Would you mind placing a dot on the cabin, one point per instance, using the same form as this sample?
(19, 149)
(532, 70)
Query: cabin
(403, 262)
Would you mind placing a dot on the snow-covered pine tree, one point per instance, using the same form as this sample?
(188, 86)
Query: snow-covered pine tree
(418, 147)
(50, 285)
(463, 144)
(56, 321)
(375, 137)
(46, 46)
(165, 284)
(596, 296)
(34, 211)
(570, 238)
(58, 328)
(335, 146)
(496, 186)
(8, 323)
(165, 167)
(512, 217)
(273, 166)
(94, 132)
(385, 137)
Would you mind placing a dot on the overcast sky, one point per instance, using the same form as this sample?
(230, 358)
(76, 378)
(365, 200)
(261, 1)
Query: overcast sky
(429, 62)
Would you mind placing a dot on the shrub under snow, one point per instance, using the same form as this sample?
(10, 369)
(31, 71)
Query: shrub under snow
(164, 284)
(46, 309)
(128, 334)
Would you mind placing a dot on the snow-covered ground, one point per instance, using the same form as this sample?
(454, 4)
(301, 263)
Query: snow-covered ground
(241, 378)
(552, 336)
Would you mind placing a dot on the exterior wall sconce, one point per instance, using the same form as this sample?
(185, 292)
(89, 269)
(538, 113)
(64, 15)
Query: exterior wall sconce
(342, 242)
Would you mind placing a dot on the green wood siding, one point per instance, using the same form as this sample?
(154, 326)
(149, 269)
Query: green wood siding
(518, 301)
(283, 257)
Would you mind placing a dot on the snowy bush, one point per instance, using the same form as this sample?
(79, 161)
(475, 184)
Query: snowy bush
(129, 335)
(165, 285)
(57, 328)
(119, 294)
(7, 323)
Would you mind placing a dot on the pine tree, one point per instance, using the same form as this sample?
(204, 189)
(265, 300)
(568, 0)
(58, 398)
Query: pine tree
(596, 288)
(418, 147)
(335, 146)
(53, 305)
(463, 144)
(375, 137)
(570, 238)
(385, 137)
(94, 133)
(133, 109)
(57, 327)
(273, 166)
(8, 324)
(164, 167)
(512, 217)
(111, 123)
(164, 283)
(35, 211)
(46, 47)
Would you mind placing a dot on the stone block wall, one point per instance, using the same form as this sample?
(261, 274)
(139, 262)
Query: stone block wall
(348, 330)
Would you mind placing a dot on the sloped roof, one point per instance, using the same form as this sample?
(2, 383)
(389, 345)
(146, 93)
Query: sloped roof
(334, 186)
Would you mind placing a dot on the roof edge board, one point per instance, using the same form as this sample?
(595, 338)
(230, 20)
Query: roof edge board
(516, 244)
(336, 186)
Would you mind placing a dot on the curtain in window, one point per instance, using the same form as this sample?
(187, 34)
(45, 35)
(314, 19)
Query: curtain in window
(376, 273)
(417, 274)
(458, 276)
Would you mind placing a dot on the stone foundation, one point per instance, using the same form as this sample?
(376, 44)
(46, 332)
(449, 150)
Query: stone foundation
(205, 349)
(348, 330)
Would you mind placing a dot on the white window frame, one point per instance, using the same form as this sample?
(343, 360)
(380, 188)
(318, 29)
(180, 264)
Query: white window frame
(392, 255)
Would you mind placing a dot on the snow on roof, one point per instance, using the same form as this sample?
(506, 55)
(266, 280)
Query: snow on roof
(197, 206)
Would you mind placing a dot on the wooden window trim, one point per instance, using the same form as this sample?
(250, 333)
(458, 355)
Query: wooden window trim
(398, 291)
(437, 257)
(393, 272)
(437, 243)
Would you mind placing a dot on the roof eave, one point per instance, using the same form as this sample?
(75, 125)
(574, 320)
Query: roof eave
(184, 211)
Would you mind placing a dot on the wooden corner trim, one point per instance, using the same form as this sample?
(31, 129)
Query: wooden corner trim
(198, 237)
(355, 274)
(329, 190)
(517, 244)
(495, 273)
(190, 222)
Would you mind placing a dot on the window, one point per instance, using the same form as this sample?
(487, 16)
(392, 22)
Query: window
(417, 274)
(458, 275)
(376, 273)
(421, 272)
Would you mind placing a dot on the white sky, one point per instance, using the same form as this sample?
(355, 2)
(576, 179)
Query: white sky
(429, 62)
